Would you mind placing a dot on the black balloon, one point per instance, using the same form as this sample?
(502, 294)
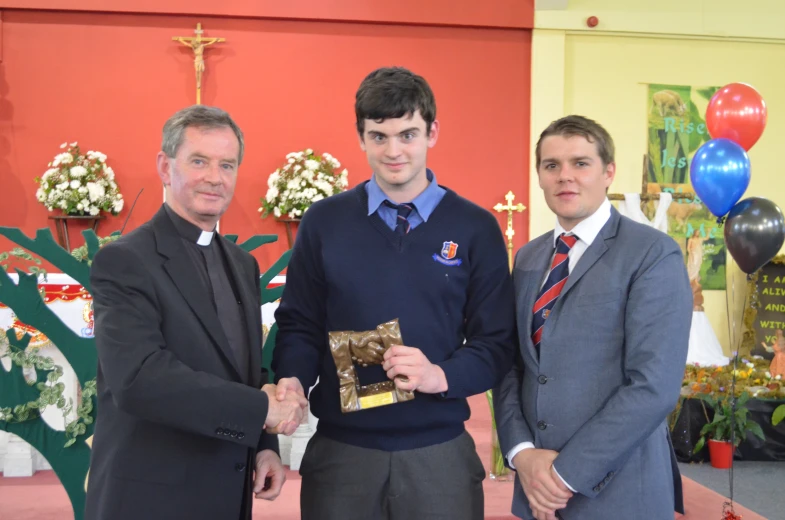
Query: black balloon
(754, 232)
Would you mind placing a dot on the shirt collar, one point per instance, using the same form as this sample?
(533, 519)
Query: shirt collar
(187, 230)
(587, 229)
(424, 203)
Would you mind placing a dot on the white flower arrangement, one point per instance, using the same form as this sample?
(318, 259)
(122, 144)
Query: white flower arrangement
(304, 179)
(79, 184)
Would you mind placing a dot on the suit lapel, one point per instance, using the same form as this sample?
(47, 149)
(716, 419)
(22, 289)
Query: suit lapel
(253, 316)
(179, 266)
(531, 271)
(586, 262)
(592, 254)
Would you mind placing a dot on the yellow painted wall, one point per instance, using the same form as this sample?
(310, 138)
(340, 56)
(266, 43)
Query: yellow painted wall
(751, 19)
(603, 75)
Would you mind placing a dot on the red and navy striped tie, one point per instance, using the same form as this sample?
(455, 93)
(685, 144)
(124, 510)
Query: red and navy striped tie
(402, 223)
(553, 286)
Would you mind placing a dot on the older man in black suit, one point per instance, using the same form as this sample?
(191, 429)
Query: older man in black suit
(183, 429)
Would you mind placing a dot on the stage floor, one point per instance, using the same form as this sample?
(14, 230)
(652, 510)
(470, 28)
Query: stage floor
(42, 498)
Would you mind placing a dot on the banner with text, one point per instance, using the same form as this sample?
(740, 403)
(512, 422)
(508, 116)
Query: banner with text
(676, 129)
(770, 316)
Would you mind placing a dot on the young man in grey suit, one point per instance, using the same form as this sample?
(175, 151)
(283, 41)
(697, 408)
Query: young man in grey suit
(604, 310)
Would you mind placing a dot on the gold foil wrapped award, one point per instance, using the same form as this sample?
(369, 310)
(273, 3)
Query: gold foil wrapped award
(350, 348)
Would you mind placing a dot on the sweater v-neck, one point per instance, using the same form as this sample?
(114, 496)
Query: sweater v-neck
(400, 241)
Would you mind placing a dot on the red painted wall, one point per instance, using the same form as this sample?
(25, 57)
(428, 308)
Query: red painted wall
(498, 13)
(109, 80)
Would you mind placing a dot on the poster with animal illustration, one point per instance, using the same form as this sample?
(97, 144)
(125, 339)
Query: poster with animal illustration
(676, 129)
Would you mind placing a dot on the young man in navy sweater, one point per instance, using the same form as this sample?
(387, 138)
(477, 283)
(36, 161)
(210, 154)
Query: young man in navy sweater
(396, 246)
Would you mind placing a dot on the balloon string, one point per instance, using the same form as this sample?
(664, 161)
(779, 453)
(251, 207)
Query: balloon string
(729, 298)
(733, 342)
(733, 395)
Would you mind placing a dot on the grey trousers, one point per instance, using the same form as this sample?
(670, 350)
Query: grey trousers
(344, 482)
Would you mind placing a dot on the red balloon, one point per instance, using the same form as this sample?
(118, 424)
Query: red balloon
(737, 112)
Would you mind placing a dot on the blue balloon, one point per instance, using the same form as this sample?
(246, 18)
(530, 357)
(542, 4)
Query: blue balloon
(720, 174)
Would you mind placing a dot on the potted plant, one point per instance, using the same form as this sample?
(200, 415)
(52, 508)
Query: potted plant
(304, 179)
(778, 415)
(726, 421)
(79, 185)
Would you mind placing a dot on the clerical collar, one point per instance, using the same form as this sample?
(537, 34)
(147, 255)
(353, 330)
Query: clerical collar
(187, 230)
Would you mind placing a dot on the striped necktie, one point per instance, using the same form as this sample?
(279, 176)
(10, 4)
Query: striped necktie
(553, 286)
(402, 226)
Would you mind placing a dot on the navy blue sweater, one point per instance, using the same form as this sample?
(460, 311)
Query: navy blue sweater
(349, 271)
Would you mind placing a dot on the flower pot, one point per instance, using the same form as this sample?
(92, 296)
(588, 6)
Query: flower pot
(290, 222)
(721, 454)
(61, 226)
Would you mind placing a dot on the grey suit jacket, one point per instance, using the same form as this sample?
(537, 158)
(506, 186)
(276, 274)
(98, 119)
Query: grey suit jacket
(609, 371)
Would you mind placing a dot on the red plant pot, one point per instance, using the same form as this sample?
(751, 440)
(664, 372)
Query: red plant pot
(721, 454)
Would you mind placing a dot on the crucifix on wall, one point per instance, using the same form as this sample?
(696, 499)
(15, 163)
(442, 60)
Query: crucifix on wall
(197, 44)
(510, 232)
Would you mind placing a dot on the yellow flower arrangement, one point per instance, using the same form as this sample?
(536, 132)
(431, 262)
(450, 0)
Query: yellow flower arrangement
(751, 374)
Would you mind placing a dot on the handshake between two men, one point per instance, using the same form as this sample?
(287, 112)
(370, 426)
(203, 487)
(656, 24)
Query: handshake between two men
(287, 406)
(408, 367)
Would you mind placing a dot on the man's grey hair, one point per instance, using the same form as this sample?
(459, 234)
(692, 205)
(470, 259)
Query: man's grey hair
(199, 116)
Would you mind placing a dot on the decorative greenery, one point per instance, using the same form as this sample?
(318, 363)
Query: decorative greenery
(21, 401)
(50, 394)
(498, 468)
(79, 184)
(84, 410)
(81, 253)
(729, 420)
(305, 178)
(21, 254)
(778, 415)
(752, 376)
(50, 391)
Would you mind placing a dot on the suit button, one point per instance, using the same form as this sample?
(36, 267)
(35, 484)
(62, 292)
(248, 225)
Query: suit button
(542, 380)
(219, 431)
(234, 433)
(239, 466)
(597, 489)
(542, 425)
(240, 435)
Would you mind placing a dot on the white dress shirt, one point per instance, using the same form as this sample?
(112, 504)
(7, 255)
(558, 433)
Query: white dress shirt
(586, 231)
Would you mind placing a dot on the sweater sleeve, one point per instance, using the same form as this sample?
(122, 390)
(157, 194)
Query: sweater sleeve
(489, 318)
(301, 339)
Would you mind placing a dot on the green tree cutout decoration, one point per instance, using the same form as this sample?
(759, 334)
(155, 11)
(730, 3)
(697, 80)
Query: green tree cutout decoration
(21, 400)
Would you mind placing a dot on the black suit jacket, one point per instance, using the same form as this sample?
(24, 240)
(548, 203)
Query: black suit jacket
(177, 425)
